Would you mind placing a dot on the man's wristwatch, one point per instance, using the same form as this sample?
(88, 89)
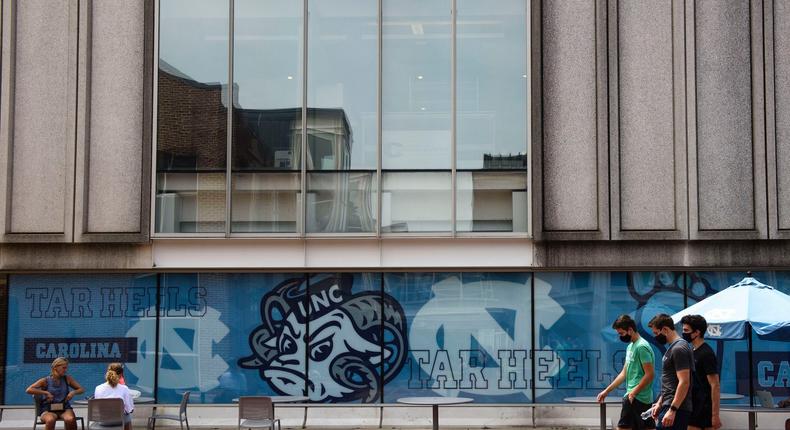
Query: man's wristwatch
(673, 408)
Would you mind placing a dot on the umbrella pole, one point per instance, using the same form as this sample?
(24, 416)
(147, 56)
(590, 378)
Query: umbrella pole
(751, 366)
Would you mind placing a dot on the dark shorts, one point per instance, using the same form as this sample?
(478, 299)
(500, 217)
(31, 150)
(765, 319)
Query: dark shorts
(701, 416)
(630, 415)
(681, 419)
(58, 414)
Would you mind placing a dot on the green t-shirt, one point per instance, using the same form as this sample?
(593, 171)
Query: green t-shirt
(636, 354)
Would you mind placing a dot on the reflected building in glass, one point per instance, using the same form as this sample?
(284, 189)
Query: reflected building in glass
(346, 123)
(264, 142)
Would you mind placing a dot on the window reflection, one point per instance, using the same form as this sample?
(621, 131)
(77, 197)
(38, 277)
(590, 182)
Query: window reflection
(342, 44)
(416, 202)
(192, 85)
(491, 84)
(416, 89)
(190, 203)
(192, 116)
(341, 202)
(266, 139)
(491, 201)
(267, 79)
(266, 202)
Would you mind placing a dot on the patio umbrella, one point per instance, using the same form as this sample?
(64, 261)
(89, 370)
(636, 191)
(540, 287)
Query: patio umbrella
(734, 312)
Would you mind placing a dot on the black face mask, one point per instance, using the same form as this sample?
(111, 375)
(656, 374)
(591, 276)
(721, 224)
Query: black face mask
(687, 337)
(625, 338)
(661, 339)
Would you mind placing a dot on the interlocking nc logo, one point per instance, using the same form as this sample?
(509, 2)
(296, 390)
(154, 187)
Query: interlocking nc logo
(714, 330)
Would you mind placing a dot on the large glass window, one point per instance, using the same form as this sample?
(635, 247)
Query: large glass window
(345, 115)
(491, 140)
(192, 117)
(267, 112)
(342, 152)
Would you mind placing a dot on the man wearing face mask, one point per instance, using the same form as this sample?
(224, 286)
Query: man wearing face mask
(705, 389)
(673, 408)
(638, 374)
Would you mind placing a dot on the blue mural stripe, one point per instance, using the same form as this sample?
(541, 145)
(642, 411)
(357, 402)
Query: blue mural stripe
(187, 335)
(506, 318)
(168, 362)
(482, 355)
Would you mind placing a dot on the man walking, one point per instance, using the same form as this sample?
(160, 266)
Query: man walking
(705, 390)
(673, 408)
(637, 373)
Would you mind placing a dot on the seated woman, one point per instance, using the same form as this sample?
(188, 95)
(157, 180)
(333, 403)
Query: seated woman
(54, 395)
(118, 368)
(113, 389)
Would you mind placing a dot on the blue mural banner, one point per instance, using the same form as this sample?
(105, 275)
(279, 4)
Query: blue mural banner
(468, 334)
(358, 337)
(92, 320)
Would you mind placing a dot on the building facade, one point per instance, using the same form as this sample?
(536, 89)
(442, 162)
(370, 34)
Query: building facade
(361, 200)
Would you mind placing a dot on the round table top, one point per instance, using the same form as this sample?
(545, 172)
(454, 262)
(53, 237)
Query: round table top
(137, 401)
(593, 399)
(747, 408)
(434, 400)
(730, 396)
(282, 399)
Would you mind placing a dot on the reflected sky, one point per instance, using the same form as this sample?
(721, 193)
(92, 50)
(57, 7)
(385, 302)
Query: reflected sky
(342, 41)
(491, 81)
(416, 84)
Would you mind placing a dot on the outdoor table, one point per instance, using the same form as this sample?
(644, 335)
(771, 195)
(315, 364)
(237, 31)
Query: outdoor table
(730, 396)
(139, 400)
(753, 411)
(286, 399)
(435, 402)
(589, 400)
(282, 399)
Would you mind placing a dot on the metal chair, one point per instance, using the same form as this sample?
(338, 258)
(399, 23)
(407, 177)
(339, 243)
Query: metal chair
(105, 414)
(181, 417)
(256, 411)
(37, 419)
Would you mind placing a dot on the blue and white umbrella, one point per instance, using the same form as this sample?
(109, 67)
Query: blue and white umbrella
(737, 310)
(728, 312)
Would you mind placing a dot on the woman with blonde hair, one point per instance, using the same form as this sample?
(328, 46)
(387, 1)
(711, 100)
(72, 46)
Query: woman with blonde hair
(117, 368)
(113, 389)
(54, 396)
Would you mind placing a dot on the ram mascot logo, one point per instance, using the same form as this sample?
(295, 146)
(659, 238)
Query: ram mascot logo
(352, 342)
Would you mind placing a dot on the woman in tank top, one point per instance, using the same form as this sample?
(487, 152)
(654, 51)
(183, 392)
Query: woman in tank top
(54, 395)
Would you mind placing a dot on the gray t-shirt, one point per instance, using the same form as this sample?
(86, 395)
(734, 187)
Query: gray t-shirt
(679, 356)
